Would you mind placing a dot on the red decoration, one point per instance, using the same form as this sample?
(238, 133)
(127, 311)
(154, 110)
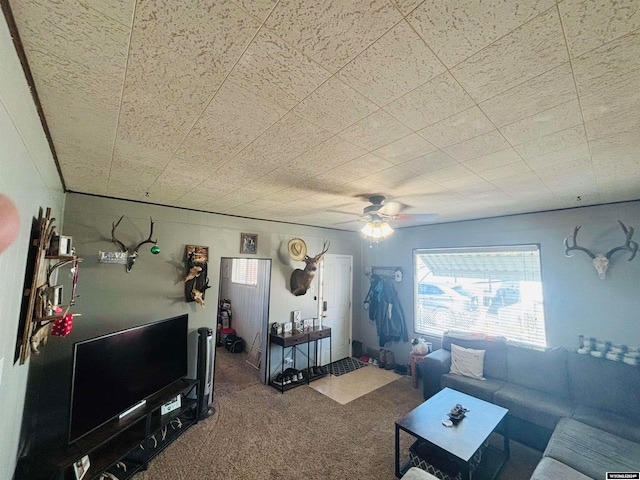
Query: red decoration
(62, 326)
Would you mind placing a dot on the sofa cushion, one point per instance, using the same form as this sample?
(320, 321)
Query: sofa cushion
(601, 383)
(592, 451)
(543, 370)
(467, 362)
(619, 425)
(495, 358)
(483, 389)
(532, 405)
(550, 469)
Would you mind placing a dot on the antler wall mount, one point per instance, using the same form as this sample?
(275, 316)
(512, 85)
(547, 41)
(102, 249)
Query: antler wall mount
(130, 253)
(601, 261)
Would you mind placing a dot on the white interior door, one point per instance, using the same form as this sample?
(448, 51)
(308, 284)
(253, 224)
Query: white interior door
(336, 292)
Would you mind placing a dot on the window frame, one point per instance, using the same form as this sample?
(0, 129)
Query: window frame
(535, 316)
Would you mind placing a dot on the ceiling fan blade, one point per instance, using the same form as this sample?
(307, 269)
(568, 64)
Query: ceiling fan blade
(392, 208)
(417, 217)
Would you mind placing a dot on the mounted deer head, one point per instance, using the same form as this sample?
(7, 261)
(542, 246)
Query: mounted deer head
(602, 261)
(132, 254)
(301, 279)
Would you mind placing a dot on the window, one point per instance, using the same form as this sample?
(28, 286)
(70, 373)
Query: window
(496, 290)
(244, 271)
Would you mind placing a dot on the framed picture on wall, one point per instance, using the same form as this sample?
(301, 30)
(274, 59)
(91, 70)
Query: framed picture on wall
(249, 243)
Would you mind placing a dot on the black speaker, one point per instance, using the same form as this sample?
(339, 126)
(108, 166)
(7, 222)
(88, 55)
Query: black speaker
(205, 371)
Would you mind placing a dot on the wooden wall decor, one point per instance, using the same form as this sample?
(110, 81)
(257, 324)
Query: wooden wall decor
(41, 303)
(196, 281)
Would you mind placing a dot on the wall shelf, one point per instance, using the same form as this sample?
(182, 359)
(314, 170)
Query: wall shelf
(37, 316)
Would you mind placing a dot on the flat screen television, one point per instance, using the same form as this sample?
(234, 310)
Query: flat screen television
(114, 372)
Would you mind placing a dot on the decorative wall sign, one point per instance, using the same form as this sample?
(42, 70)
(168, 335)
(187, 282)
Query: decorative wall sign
(196, 281)
(249, 243)
(113, 257)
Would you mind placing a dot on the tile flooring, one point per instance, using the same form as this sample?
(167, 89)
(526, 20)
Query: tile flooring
(352, 385)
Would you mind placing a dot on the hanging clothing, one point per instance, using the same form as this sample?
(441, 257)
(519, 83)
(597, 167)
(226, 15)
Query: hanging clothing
(385, 309)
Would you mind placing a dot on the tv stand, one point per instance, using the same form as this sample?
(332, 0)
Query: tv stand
(125, 446)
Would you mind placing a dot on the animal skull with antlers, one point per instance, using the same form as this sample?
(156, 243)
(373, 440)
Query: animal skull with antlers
(132, 254)
(601, 261)
(301, 279)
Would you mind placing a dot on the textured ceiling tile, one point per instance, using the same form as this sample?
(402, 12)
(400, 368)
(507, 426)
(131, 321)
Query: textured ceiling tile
(578, 152)
(391, 177)
(331, 153)
(366, 165)
(556, 141)
(406, 6)
(544, 123)
(259, 8)
(528, 51)
(493, 160)
(536, 95)
(340, 30)
(98, 85)
(394, 65)
(465, 182)
(458, 128)
(615, 124)
(336, 176)
(521, 185)
(591, 23)
(429, 163)
(608, 78)
(508, 170)
(376, 130)
(436, 100)
(275, 70)
(171, 75)
(457, 30)
(485, 144)
(233, 119)
(448, 173)
(576, 180)
(86, 166)
(71, 30)
(407, 148)
(286, 139)
(582, 165)
(119, 10)
(130, 178)
(334, 106)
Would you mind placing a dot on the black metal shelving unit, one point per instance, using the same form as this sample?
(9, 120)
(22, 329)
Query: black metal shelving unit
(293, 341)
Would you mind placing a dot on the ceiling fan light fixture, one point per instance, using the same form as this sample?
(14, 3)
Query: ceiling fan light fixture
(376, 230)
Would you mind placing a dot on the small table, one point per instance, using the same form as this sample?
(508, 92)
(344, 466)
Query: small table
(414, 360)
(460, 442)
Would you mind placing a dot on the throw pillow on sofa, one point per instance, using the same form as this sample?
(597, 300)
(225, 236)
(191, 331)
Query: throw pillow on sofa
(467, 362)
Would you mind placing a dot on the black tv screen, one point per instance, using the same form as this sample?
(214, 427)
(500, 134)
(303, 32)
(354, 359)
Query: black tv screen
(114, 372)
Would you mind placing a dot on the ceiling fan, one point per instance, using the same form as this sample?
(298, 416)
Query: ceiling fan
(380, 211)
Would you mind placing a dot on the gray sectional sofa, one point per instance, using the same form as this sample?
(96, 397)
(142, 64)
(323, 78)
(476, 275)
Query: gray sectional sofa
(582, 411)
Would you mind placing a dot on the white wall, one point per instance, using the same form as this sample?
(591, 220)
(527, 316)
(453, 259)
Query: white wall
(29, 178)
(576, 300)
(247, 301)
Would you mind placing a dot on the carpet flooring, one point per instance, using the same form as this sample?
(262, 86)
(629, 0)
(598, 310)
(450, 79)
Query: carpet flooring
(259, 433)
(346, 365)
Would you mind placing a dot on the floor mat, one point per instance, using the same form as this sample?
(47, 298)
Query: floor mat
(345, 365)
(345, 388)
